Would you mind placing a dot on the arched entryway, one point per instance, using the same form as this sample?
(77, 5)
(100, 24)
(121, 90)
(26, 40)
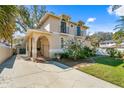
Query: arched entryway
(42, 47)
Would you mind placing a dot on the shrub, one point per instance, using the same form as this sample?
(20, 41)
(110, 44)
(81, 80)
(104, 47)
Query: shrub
(65, 55)
(93, 53)
(89, 52)
(112, 52)
(76, 51)
(82, 53)
(119, 54)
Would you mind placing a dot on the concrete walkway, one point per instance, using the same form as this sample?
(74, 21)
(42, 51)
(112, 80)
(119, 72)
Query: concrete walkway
(17, 72)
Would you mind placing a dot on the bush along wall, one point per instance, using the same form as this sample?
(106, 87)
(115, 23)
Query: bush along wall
(114, 53)
(76, 51)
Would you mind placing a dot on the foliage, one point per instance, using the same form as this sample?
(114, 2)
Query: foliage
(118, 36)
(112, 52)
(120, 26)
(94, 40)
(76, 51)
(65, 55)
(115, 7)
(119, 54)
(100, 36)
(19, 18)
(88, 52)
(8, 14)
(30, 16)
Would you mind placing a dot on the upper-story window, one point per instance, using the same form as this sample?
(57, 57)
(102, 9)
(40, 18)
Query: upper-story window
(78, 31)
(63, 26)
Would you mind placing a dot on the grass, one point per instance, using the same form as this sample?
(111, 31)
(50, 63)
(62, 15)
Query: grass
(107, 68)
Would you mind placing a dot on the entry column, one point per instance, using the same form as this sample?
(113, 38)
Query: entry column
(34, 47)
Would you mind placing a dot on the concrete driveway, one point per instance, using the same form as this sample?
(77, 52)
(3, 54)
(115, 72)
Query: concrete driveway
(17, 72)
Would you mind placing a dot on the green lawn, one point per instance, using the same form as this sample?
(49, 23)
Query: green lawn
(106, 68)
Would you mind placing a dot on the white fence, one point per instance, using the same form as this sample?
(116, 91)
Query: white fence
(101, 51)
(5, 53)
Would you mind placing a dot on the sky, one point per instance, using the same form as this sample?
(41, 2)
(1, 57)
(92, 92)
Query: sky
(99, 18)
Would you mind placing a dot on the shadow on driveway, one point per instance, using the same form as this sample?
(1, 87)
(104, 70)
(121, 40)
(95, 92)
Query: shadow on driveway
(8, 63)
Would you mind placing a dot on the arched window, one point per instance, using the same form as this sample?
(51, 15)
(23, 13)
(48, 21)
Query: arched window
(62, 43)
(63, 26)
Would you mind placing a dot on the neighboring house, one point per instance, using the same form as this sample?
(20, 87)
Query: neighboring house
(52, 34)
(107, 44)
(110, 44)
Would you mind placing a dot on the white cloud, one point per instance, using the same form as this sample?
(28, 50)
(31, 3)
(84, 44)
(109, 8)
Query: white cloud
(91, 19)
(117, 12)
(110, 10)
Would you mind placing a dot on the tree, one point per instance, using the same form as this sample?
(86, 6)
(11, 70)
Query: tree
(19, 18)
(98, 37)
(120, 26)
(94, 41)
(115, 7)
(8, 16)
(30, 17)
(118, 36)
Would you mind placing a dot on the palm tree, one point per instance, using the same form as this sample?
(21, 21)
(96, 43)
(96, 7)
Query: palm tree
(8, 16)
(120, 26)
(118, 36)
(114, 7)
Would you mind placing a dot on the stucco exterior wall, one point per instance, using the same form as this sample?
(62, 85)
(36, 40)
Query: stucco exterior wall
(46, 25)
(5, 53)
(51, 25)
(72, 29)
(55, 24)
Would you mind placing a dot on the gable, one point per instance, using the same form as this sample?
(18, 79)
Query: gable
(46, 17)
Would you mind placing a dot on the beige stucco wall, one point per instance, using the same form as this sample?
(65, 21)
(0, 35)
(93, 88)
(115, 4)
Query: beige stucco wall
(55, 24)
(5, 53)
(46, 25)
(51, 25)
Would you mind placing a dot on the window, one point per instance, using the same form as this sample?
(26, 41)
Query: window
(63, 26)
(62, 43)
(78, 31)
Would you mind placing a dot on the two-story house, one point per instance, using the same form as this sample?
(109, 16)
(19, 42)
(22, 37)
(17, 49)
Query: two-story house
(54, 31)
